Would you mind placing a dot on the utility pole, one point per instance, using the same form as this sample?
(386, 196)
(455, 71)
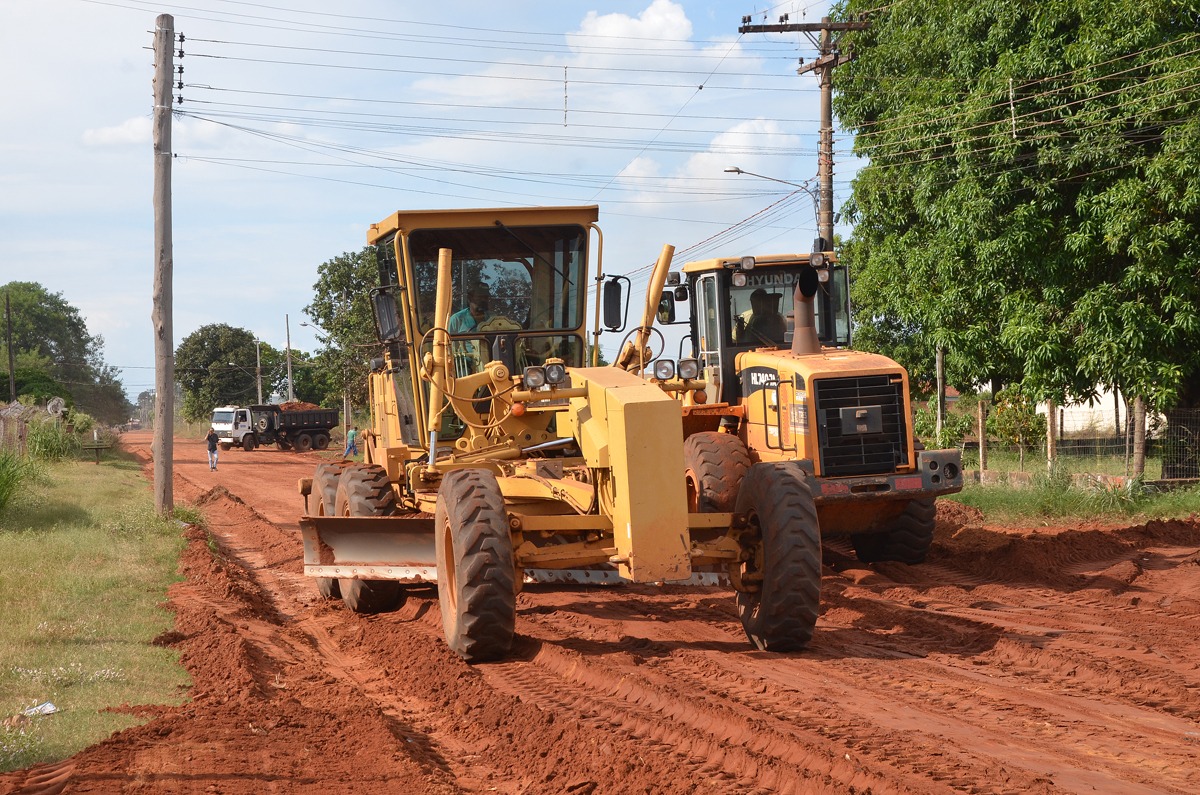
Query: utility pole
(830, 57)
(160, 315)
(12, 378)
(287, 326)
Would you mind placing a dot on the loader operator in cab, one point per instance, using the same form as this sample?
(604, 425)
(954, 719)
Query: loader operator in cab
(765, 326)
(475, 312)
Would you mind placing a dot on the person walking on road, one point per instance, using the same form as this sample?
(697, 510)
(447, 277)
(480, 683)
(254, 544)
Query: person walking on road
(211, 438)
(351, 442)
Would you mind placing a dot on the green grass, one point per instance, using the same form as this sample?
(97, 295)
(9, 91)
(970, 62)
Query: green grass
(1056, 498)
(86, 564)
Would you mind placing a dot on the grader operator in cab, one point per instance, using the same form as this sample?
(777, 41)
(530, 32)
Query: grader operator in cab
(494, 455)
(789, 389)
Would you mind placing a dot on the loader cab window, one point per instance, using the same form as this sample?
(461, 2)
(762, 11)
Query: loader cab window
(763, 313)
(504, 279)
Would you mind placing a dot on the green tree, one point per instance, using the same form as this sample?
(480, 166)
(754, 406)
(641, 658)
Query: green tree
(215, 366)
(1030, 201)
(49, 335)
(341, 312)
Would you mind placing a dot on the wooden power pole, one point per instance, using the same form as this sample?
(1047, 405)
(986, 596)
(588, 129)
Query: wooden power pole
(160, 315)
(828, 59)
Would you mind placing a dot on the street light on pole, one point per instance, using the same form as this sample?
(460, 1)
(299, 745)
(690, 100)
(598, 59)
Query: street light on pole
(801, 185)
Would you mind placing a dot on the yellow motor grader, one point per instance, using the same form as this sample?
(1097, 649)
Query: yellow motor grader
(495, 456)
(771, 335)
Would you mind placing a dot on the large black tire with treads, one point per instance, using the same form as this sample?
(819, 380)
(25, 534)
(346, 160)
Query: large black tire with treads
(785, 560)
(715, 464)
(475, 566)
(364, 490)
(324, 489)
(906, 541)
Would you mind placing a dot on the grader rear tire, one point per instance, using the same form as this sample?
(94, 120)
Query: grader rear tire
(325, 484)
(906, 541)
(475, 566)
(365, 491)
(786, 558)
(715, 465)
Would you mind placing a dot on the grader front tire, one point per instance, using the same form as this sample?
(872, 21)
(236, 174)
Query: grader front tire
(325, 486)
(365, 491)
(475, 566)
(785, 563)
(715, 464)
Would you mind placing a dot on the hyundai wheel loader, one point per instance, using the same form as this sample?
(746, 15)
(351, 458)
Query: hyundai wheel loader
(496, 457)
(770, 340)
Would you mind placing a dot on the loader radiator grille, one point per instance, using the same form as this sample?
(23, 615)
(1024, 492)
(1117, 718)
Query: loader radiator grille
(876, 446)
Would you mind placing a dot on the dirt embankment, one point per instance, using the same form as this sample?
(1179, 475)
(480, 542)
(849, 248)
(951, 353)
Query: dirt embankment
(1055, 660)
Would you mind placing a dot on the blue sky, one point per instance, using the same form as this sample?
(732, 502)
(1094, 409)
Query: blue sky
(301, 126)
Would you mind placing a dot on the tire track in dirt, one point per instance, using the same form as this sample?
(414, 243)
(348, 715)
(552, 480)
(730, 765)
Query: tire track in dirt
(1063, 660)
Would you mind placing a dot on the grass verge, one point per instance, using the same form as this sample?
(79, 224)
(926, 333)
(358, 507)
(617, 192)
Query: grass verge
(1055, 498)
(86, 566)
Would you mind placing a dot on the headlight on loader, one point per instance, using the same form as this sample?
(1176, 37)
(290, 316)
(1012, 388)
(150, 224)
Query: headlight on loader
(555, 374)
(664, 369)
(689, 369)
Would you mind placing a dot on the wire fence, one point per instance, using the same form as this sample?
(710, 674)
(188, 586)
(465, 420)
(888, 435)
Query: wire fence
(1088, 444)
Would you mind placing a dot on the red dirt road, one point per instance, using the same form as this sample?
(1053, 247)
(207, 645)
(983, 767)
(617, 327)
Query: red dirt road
(1043, 661)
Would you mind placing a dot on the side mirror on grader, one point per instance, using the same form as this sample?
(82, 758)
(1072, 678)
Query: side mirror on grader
(483, 472)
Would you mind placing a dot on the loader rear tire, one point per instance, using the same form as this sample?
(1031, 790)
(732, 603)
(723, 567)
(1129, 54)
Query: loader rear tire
(325, 484)
(303, 443)
(715, 465)
(785, 559)
(906, 541)
(475, 566)
(364, 490)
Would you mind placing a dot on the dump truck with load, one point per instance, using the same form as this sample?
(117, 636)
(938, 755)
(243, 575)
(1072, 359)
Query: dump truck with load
(770, 336)
(494, 456)
(287, 426)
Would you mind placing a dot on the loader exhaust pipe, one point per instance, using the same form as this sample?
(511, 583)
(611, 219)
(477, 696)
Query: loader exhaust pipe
(804, 333)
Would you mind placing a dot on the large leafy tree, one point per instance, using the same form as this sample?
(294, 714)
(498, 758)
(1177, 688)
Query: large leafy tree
(1032, 198)
(215, 366)
(52, 345)
(341, 312)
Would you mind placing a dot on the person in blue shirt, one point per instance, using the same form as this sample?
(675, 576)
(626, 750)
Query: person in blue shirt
(475, 312)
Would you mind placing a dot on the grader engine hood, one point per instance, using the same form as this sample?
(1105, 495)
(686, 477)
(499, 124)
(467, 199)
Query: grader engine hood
(630, 434)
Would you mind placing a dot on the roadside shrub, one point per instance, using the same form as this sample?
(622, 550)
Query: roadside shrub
(14, 470)
(955, 427)
(51, 441)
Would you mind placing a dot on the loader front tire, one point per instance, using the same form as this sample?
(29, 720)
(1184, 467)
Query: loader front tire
(906, 541)
(475, 566)
(715, 464)
(364, 490)
(783, 573)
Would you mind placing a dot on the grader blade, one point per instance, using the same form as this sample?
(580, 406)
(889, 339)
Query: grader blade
(369, 548)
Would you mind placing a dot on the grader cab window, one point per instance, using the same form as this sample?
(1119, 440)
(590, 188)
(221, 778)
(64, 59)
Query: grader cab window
(505, 279)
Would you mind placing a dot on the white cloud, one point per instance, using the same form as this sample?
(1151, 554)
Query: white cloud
(131, 131)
